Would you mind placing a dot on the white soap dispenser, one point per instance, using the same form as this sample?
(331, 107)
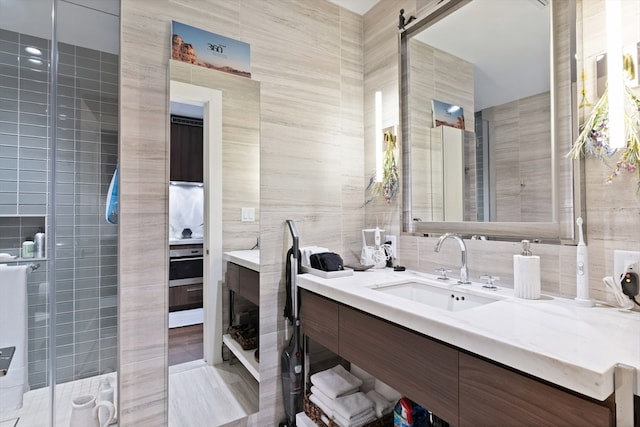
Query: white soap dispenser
(526, 273)
(582, 270)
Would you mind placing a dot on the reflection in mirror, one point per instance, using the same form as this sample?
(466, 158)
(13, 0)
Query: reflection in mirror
(502, 167)
(214, 116)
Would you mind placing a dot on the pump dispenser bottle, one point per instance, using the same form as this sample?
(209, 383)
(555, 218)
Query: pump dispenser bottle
(105, 393)
(526, 273)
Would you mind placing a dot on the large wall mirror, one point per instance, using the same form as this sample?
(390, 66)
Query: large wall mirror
(214, 175)
(487, 94)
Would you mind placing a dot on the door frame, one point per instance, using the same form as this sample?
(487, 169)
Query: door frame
(211, 100)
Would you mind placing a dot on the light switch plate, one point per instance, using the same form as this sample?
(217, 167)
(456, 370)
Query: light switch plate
(248, 214)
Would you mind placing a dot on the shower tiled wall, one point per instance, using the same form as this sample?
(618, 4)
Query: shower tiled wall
(86, 245)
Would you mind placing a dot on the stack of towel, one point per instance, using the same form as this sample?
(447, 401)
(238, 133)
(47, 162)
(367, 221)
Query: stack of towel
(337, 393)
(348, 398)
(383, 396)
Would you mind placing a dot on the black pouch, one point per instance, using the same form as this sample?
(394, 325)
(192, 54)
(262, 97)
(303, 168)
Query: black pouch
(326, 261)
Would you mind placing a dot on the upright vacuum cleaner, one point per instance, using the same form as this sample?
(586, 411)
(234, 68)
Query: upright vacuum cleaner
(291, 360)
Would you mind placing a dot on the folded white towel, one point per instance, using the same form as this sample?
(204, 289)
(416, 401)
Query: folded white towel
(326, 400)
(388, 392)
(328, 411)
(365, 418)
(336, 381)
(368, 380)
(382, 405)
(352, 406)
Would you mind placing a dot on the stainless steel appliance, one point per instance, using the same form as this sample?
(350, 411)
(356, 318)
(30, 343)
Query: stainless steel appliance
(185, 266)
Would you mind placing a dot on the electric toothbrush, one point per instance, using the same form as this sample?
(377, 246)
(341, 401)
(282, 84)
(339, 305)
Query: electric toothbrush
(582, 270)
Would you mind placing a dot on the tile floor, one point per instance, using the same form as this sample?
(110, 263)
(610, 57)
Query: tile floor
(199, 395)
(35, 405)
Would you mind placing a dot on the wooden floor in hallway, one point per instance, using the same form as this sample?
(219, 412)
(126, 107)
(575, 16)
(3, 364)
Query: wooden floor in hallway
(185, 344)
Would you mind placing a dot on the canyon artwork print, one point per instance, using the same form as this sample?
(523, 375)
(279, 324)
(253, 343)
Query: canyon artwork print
(198, 47)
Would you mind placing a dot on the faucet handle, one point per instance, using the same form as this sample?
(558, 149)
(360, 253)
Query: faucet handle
(488, 280)
(442, 273)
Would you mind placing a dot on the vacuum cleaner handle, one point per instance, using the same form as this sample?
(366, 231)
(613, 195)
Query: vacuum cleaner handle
(294, 268)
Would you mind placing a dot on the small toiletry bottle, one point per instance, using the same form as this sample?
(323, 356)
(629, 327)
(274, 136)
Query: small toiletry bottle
(39, 243)
(105, 393)
(27, 249)
(526, 273)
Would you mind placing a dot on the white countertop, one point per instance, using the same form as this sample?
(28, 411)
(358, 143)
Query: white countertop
(550, 338)
(249, 258)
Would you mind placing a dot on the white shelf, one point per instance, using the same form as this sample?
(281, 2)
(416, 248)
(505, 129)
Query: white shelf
(245, 357)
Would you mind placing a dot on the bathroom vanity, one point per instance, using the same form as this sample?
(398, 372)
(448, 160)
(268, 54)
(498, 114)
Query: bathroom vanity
(242, 277)
(484, 358)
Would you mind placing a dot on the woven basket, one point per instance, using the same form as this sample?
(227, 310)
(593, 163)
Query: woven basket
(315, 414)
(245, 335)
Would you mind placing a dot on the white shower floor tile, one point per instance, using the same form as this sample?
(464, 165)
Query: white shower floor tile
(35, 405)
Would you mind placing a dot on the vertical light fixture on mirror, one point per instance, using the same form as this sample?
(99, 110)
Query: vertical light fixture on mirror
(615, 82)
(378, 130)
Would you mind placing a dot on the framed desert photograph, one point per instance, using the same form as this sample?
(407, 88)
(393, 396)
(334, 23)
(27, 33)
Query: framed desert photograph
(198, 47)
(447, 115)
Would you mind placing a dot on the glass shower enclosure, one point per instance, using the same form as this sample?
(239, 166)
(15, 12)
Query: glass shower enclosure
(59, 78)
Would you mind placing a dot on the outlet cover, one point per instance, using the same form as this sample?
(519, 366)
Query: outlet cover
(248, 214)
(622, 258)
(394, 244)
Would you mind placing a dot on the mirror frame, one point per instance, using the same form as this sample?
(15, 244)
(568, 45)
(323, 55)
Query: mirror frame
(567, 175)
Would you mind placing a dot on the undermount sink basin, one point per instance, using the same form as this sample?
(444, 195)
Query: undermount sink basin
(444, 299)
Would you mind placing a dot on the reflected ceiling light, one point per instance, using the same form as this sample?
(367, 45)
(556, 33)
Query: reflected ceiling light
(33, 50)
(379, 136)
(35, 61)
(453, 109)
(615, 84)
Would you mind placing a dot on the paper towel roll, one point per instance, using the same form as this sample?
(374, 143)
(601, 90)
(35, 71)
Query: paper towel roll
(526, 276)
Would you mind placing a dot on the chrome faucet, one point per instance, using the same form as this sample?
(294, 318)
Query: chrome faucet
(464, 271)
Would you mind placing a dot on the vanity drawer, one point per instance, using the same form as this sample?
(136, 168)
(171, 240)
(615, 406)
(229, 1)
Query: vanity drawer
(250, 285)
(319, 319)
(243, 281)
(424, 369)
(491, 395)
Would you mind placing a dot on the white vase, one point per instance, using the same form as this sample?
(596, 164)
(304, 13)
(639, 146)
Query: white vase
(84, 412)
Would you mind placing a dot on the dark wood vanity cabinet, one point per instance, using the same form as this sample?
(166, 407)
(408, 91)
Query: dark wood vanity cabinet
(425, 370)
(458, 387)
(491, 395)
(319, 319)
(243, 281)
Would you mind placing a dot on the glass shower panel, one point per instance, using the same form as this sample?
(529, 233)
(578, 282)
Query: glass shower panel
(58, 155)
(86, 238)
(25, 34)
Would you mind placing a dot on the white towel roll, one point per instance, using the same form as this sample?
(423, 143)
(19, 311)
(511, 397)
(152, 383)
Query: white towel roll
(13, 317)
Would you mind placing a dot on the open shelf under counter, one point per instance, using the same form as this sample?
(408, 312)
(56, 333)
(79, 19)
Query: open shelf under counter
(246, 357)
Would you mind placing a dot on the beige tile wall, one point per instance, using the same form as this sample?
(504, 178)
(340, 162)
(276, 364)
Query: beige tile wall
(308, 56)
(317, 121)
